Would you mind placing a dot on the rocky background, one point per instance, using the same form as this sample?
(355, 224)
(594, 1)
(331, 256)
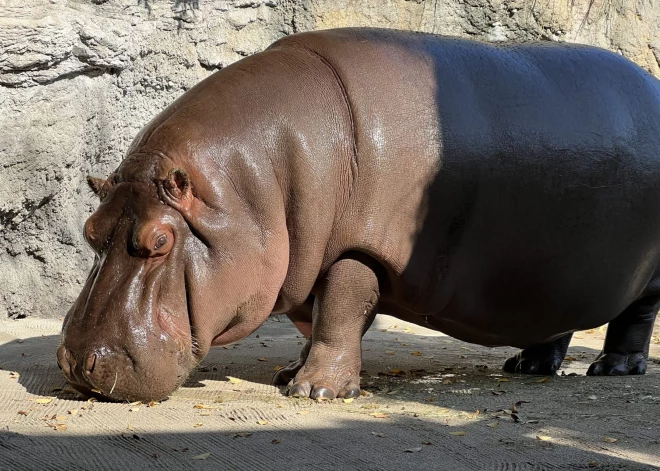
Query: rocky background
(79, 78)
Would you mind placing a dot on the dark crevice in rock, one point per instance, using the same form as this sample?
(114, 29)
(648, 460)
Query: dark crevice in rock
(89, 72)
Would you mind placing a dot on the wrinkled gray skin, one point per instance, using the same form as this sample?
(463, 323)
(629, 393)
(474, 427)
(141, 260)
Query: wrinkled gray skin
(504, 194)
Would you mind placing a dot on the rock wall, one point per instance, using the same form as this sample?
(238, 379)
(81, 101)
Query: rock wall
(79, 78)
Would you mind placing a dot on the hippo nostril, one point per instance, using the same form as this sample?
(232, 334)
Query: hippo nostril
(90, 361)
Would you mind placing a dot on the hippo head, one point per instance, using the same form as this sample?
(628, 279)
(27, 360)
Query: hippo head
(150, 310)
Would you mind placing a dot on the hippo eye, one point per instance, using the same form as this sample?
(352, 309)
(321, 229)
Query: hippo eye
(162, 240)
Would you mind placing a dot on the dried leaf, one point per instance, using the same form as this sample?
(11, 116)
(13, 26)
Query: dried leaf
(593, 397)
(593, 464)
(416, 354)
(275, 441)
(458, 434)
(242, 434)
(303, 412)
(348, 400)
(543, 438)
(92, 399)
(197, 425)
(22, 412)
(136, 403)
(414, 450)
(129, 427)
(379, 434)
(543, 380)
(408, 330)
(278, 367)
(498, 393)
(503, 380)
(204, 414)
(13, 375)
(233, 380)
(390, 352)
(61, 418)
(73, 411)
(153, 404)
(203, 406)
(60, 427)
(379, 415)
(430, 399)
(262, 422)
(262, 359)
(493, 424)
(610, 440)
(44, 400)
(570, 359)
(203, 456)
(134, 409)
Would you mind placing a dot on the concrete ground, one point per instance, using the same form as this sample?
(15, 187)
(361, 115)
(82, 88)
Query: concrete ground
(430, 402)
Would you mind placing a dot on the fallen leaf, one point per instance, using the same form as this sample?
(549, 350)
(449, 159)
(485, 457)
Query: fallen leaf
(198, 425)
(593, 397)
(543, 380)
(543, 438)
(129, 427)
(379, 415)
(414, 450)
(493, 424)
(60, 427)
(262, 422)
(13, 375)
(262, 359)
(204, 414)
(278, 367)
(203, 406)
(242, 434)
(92, 399)
(303, 412)
(203, 456)
(610, 440)
(498, 393)
(416, 354)
(233, 380)
(458, 434)
(348, 400)
(390, 353)
(134, 409)
(61, 418)
(430, 399)
(275, 441)
(73, 411)
(153, 404)
(44, 400)
(136, 403)
(379, 434)
(408, 330)
(570, 359)
(404, 344)
(447, 381)
(22, 412)
(503, 380)
(593, 464)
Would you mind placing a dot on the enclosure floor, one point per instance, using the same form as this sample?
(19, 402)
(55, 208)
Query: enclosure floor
(431, 403)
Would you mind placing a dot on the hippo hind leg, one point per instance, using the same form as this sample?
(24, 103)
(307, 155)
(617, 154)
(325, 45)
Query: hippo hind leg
(541, 359)
(627, 341)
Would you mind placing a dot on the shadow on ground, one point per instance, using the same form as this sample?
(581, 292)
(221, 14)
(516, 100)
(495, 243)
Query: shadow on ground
(431, 403)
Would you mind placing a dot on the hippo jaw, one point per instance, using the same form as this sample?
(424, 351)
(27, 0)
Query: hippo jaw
(128, 335)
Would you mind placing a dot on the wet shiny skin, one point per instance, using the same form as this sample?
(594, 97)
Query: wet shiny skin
(504, 194)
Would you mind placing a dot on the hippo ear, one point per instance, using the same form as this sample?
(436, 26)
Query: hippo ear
(177, 184)
(98, 185)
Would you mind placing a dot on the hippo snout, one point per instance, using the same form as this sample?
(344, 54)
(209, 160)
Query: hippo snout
(90, 371)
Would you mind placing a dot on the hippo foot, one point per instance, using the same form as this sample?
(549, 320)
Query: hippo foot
(320, 380)
(320, 387)
(616, 364)
(523, 364)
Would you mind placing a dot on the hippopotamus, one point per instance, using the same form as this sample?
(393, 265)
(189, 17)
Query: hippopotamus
(505, 194)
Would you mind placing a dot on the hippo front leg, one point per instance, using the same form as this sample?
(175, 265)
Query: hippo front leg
(344, 308)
